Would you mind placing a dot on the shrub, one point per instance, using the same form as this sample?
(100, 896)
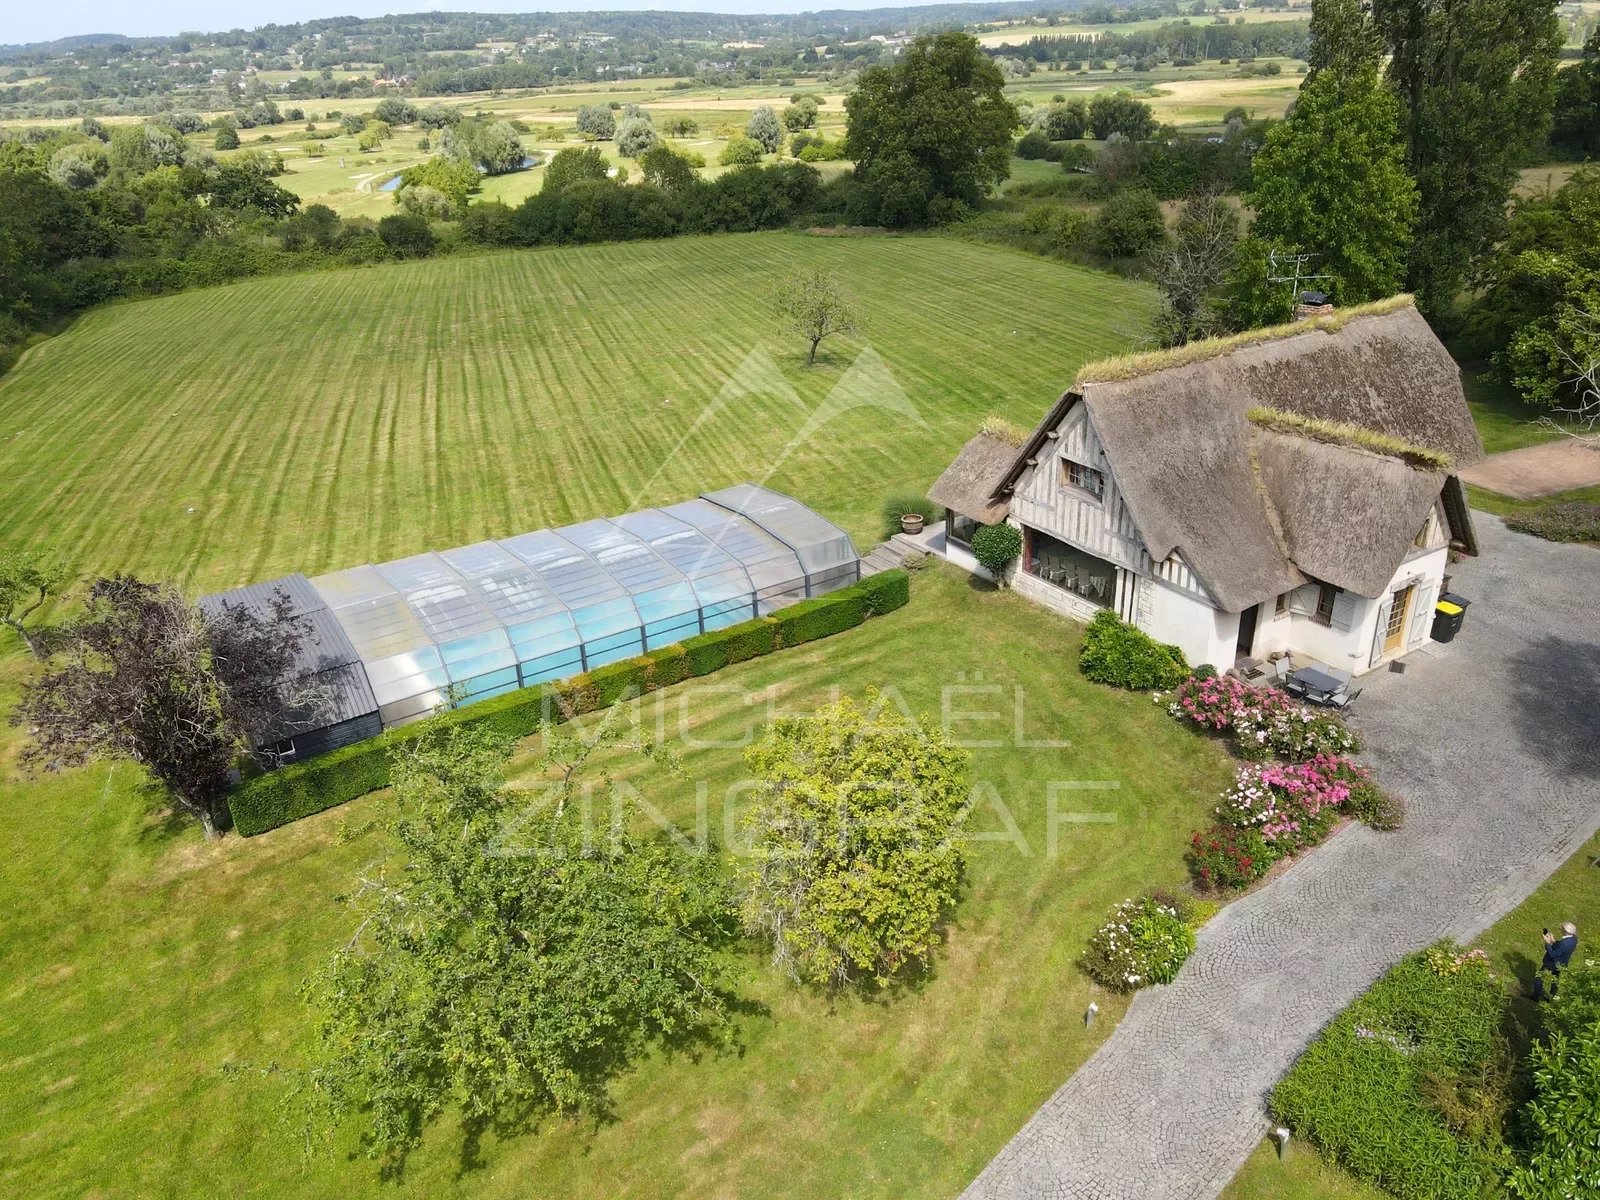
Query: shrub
(267, 801)
(741, 152)
(1226, 859)
(823, 150)
(1563, 1115)
(1032, 145)
(1379, 1089)
(1130, 225)
(1117, 654)
(227, 139)
(1373, 806)
(1292, 805)
(1143, 941)
(885, 592)
(1572, 521)
(902, 504)
(994, 546)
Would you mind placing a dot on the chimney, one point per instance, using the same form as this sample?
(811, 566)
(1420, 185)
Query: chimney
(1312, 304)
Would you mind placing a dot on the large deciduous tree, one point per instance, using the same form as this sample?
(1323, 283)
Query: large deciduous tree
(1190, 271)
(930, 133)
(1539, 313)
(1475, 81)
(1331, 180)
(812, 304)
(1575, 127)
(509, 962)
(856, 857)
(149, 678)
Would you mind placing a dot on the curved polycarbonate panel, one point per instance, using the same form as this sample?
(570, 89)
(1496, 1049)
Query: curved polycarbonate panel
(824, 550)
(775, 573)
(459, 625)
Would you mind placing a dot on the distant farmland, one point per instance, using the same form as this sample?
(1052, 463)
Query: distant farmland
(303, 423)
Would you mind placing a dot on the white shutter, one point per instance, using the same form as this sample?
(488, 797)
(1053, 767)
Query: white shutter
(1421, 616)
(1380, 629)
(1344, 611)
(1303, 600)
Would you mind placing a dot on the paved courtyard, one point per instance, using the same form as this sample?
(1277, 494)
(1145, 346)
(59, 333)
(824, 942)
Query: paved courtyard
(1494, 741)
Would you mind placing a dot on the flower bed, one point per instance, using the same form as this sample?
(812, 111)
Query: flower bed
(1261, 722)
(1273, 811)
(1143, 941)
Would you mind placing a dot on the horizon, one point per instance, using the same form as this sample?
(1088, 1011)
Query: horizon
(170, 18)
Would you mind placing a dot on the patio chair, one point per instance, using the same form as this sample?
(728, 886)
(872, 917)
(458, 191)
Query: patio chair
(1282, 669)
(1343, 700)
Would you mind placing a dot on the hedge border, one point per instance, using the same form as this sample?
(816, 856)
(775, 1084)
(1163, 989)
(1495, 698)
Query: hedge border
(278, 797)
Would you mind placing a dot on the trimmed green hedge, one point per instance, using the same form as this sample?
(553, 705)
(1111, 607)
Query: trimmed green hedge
(300, 789)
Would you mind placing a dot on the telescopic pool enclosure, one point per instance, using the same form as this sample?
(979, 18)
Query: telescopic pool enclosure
(396, 642)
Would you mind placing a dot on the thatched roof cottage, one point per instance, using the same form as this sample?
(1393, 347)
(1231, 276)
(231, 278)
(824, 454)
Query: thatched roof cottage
(1286, 489)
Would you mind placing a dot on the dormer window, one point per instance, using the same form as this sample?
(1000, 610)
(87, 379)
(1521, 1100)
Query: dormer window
(1084, 478)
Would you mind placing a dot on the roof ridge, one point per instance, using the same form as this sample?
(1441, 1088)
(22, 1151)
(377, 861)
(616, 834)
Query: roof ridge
(1121, 367)
(1349, 436)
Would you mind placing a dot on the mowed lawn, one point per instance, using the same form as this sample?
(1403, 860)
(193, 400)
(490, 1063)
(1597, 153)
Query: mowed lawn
(137, 961)
(323, 420)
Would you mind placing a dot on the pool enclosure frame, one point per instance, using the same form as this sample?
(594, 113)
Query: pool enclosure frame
(451, 627)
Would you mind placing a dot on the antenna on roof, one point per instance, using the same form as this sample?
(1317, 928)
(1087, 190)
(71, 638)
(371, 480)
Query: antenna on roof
(1278, 264)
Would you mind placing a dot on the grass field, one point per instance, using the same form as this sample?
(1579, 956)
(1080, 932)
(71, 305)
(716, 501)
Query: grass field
(1020, 32)
(138, 961)
(324, 420)
(1572, 893)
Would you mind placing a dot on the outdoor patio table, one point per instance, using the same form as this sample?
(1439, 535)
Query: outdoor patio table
(1319, 682)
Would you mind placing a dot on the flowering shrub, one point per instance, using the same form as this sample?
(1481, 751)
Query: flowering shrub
(1262, 722)
(1445, 960)
(1143, 941)
(1226, 858)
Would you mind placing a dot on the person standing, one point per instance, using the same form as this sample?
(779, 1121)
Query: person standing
(1558, 953)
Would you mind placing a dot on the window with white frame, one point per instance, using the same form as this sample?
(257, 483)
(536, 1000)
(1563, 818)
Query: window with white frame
(1083, 477)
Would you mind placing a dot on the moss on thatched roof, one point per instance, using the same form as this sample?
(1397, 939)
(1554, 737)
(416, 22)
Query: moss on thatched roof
(1356, 437)
(1131, 366)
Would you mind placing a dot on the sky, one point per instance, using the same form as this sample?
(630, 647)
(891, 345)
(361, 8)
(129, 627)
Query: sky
(26, 21)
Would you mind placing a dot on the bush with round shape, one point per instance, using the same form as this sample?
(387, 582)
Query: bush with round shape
(227, 139)
(1143, 941)
(1032, 145)
(634, 136)
(741, 152)
(996, 547)
(1226, 859)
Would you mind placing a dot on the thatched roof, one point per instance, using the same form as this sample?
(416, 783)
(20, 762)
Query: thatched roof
(1255, 511)
(969, 484)
(1348, 516)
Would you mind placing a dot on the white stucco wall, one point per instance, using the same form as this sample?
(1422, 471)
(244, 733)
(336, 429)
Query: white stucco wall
(1204, 634)
(1351, 649)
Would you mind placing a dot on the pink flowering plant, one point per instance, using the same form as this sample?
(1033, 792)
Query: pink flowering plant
(1261, 722)
(1292, 805)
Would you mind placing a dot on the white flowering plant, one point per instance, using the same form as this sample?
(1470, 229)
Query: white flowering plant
(1143, 941)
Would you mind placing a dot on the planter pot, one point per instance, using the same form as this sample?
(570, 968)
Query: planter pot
(911, 523)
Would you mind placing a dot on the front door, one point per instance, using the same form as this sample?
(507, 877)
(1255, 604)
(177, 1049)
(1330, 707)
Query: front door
(1399, 608)
(1247, 629)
